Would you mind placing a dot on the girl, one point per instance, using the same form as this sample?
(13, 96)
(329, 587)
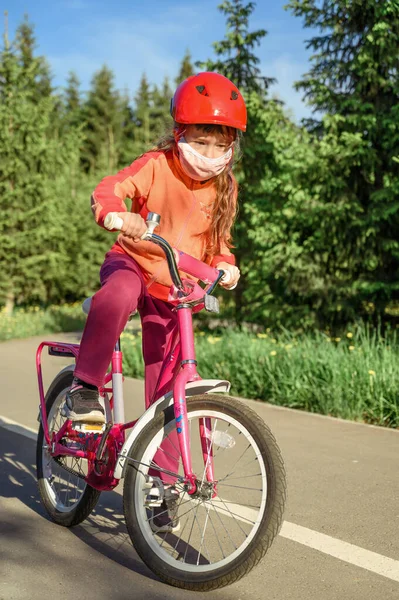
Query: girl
(187, 179)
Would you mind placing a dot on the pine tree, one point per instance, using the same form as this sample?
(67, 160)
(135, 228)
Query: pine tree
(151, 113)
(31, 222)
(72, 97)
(37, 66)
(36, 71)
(186, 68)
(142, 114)
(290, 227)
(354, 79)
(71, 125)
(161, 119)
(127, 146)
(103, 124)
(237, 61)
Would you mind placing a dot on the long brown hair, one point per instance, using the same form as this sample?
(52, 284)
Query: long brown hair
(225, 206)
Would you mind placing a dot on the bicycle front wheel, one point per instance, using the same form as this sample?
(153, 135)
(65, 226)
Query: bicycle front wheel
(224, 530)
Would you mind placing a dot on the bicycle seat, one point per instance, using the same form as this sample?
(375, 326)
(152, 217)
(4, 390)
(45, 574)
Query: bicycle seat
(86, 307)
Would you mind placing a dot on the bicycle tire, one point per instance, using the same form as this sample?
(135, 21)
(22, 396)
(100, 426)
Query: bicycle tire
(58, 511)
(205, 576)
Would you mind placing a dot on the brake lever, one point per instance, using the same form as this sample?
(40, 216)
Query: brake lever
(215, 283)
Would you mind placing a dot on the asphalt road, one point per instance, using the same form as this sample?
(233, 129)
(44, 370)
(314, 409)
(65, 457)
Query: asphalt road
(339, 539)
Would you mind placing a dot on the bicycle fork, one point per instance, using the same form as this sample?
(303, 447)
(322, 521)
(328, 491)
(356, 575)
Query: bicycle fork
(189, 373)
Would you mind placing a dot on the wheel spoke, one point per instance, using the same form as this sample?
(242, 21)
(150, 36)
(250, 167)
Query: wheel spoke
(236, 463)
(239, 487)
(242, 477)
(166, 453)
(216, 537)
(223, 525)
(191, 531)
(164, 512)
(65, 489)
(234, 515)
(220, 519)
(209, 456)
(203, 538)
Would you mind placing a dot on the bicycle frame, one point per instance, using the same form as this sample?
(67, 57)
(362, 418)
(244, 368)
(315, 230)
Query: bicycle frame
(186, 382)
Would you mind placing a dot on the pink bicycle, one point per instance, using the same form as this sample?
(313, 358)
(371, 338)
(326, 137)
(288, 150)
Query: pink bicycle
(214, 453)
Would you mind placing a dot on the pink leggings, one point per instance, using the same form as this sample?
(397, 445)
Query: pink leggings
(122, 292)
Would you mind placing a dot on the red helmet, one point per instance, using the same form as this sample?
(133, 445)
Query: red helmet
(209, 98)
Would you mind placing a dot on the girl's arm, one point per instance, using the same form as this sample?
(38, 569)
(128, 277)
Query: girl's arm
(234, 275)
(226, 258)
(132, 182)
(226, 261)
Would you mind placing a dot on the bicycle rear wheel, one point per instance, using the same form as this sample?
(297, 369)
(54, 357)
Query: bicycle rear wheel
(227, 527)
(67, 498)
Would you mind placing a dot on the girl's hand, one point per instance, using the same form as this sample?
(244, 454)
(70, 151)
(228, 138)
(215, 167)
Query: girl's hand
(234, 275)
(134, 225)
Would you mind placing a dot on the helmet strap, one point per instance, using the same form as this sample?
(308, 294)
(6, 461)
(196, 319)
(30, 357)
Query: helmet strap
(179, 131)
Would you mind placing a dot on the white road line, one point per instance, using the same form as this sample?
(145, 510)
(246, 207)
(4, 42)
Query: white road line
(354, 555)
(240, 512)
(377, 563)
(18, 428)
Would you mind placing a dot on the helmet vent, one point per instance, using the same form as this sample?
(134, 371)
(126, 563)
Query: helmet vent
(202, 90)
(234, 95)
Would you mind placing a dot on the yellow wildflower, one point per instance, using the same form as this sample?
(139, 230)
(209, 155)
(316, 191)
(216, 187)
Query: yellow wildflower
(349, 335)
(273, 353)
(213, 340)
(261, 335)
(371, 372)
(351, 347)
(337, 339)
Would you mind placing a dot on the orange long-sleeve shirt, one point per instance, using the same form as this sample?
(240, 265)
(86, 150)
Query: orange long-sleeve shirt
(156, 183)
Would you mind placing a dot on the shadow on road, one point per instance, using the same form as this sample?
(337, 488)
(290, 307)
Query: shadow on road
(104, 530)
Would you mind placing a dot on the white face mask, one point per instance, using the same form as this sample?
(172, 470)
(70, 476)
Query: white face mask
(200, 167)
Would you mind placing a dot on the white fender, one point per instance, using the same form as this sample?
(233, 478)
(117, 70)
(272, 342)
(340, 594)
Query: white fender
(203, 386)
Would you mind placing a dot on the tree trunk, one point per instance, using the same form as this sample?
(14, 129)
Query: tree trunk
(10, 301)
(238, 306)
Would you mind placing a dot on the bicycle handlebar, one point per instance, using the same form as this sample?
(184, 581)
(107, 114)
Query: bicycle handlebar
(113, 221)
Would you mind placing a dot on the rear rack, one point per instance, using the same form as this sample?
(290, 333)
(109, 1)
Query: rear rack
(60, 351)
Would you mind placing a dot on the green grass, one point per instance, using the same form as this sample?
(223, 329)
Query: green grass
(354, 377)
(36, 321)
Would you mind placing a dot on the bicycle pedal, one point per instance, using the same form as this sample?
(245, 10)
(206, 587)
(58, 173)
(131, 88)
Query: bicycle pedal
(152, 501)
(153, 498)
(88, 427)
